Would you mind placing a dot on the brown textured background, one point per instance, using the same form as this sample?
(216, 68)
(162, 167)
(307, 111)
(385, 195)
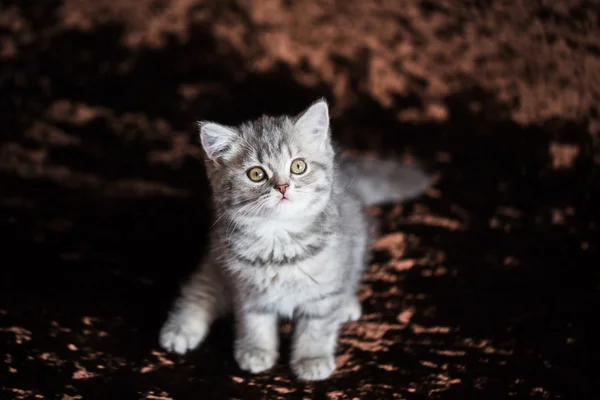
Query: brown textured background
(487, 287)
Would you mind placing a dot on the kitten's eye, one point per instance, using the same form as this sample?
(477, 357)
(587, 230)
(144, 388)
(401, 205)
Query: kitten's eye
(298, 167)
(256, 174)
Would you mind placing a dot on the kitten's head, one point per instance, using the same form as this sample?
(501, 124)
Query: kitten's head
(273, 166)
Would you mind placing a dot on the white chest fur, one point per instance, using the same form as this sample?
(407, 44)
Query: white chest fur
(284, 286)
(275, 241)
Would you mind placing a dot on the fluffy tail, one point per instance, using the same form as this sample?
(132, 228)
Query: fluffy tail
(383, 181)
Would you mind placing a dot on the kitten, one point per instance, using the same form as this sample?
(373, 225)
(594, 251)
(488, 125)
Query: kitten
(289, 239)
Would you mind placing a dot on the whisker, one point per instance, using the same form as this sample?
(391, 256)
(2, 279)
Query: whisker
(227, 211)
(338, 219)
(350, 184)
(307, 274)
(258, 203)
(233, 217)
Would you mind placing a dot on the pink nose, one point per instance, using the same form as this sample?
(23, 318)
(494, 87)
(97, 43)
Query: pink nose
(282, 188)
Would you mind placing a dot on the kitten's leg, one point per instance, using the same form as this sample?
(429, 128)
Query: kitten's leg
(316, 333)
(257, 341)
(314, 342)
(202, 300)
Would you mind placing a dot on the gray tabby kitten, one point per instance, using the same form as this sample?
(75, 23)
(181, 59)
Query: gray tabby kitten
(289, 240)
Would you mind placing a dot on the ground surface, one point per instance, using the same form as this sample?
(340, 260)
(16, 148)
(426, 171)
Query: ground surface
(487, 287)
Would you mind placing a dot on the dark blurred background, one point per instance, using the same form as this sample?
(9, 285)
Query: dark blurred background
(487, 287)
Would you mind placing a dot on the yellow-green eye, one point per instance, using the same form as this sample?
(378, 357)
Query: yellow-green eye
(298, 167)
(256, 174)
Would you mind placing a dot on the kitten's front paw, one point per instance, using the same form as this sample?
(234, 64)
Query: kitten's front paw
(179, 335)
(314, 369)
(255, 360)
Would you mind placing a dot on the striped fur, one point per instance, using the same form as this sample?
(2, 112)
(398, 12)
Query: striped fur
(298, 258)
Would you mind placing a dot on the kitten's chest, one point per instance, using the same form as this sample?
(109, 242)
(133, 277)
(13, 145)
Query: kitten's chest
(272, 244)
(276, 266)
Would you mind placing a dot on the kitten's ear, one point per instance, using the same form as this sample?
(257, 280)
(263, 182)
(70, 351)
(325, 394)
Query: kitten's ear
(217, 140)
(314, 122)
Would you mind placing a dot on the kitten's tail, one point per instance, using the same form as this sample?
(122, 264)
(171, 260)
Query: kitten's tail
(383, 181)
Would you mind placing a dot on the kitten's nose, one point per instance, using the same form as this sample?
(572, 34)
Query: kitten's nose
(282, 188)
